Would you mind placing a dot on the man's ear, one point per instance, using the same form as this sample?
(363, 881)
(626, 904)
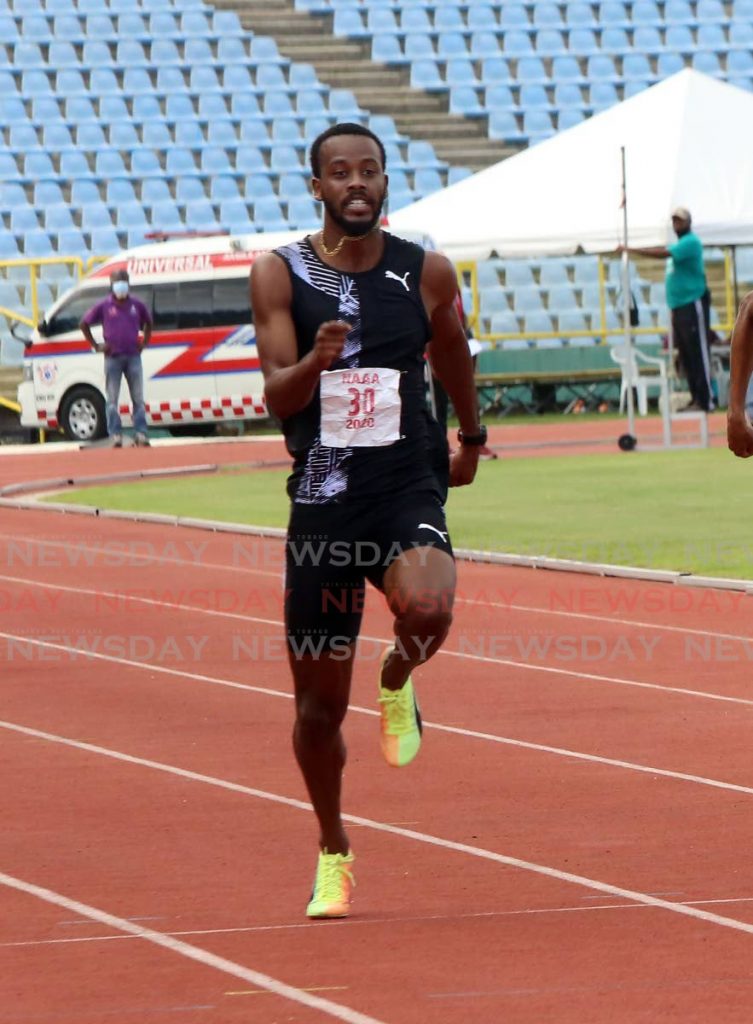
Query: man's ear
(316, 189)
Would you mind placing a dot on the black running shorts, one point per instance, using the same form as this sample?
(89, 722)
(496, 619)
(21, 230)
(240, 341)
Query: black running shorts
(331, 551)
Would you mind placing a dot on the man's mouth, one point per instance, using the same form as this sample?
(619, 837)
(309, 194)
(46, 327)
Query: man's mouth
(357, 205)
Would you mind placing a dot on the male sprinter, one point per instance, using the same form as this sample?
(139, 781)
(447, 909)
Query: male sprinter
(343, 318)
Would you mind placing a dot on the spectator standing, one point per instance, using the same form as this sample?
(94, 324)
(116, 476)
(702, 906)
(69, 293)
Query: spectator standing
(689, 303)
(127, 329)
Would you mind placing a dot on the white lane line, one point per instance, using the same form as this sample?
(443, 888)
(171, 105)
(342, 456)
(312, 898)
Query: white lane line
(405, 833)
(510, 663)
(502, 605)
(454, 730)
(190, 952)
(379, 922)
(608, 619)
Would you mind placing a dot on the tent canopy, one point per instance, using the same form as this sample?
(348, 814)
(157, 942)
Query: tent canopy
(687, 143)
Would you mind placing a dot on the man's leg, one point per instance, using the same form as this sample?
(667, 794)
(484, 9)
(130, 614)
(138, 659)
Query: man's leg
(420, 589)
(322, 690)
(113, 375)
(688, 329)
(135, 378)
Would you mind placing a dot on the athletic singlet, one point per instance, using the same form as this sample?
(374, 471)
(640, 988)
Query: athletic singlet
(389, 330)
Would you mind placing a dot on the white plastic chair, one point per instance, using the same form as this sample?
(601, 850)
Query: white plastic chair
(640, 381)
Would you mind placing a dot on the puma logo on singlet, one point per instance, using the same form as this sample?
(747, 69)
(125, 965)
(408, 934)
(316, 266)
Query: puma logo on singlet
(395, 277)
(428, 526)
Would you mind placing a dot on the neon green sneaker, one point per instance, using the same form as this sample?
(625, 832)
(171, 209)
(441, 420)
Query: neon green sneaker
(333, 886)
(401, 721)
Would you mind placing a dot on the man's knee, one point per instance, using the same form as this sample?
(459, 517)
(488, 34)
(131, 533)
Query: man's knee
(318, 720)
(427, 617)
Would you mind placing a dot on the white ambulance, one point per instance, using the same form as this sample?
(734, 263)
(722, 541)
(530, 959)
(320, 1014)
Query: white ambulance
(201, 367)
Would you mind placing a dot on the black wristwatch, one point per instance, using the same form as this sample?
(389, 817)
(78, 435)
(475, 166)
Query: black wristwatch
(473, 440)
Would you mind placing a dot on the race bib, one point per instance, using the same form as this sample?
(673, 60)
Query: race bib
(360, 408)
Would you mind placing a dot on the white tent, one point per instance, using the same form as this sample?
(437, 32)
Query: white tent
(687, 143)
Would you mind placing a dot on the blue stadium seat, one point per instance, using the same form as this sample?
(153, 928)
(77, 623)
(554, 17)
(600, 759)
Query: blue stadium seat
(427, 180)
(613, 12)
(741, 35)
(169, 80)
(678, 12)
(215, 160)
(546, 14)
(615, 41)
(154, 190)
(277, 103)
(198, 51)
(164, 52)
(104, 240)
(386, 49)
(679, 39)
(268, 213)
(711, 37)
(57, 137)
(566, 69)
(244, 105)
(250, 158)
(496, 69)
(12, 108)
(62, 54)
(257, 186)
(534, 97)
(537, 124)
(285, 158)
(264, 48)
(223, 186)
(646, 12)
(164, 215)
(583, 42)
(499, 97)
(304, 212)
(27, 55)
(537, 321)
(24, 219)
(531, 69)
(23, 136)
(233, 214)
(601, 68)
(551, 42)
(113, 108)
(448, 19)
(95, 215)
(415, 19)
(425, 74)
(381, 19)
(189, 189)
(711, 11)
(740, 63)
(156, 134)
(130, 216)
(180, 161)
(343, 102)
(178, 107)
(419, 47)
(603, 95)
(503, 125)
(137, 80)
(90, 135)
(120, 190)
(38, 245)
(484, 44)
(287, 129)
(460, 71)
(505, 322)
(707, 62)
(33, 83)
(200, 215)
(96, 54)
(254, 130)
(71, 242)
(518, 273)
(668, 64)
(568, 95)
(455, 174)
(482, 17)
(222, 133)
(513, 15)
(516, 42)
(579, 14)
(464, 100)
(569, 117)
(636, 68)
(46, 193)
(647, 40)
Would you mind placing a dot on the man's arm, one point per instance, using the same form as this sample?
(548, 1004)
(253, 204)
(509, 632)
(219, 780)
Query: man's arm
(289, 383)
(85, 326)
(739, 431)
(146, 330)
(658, 252)
(450, 358)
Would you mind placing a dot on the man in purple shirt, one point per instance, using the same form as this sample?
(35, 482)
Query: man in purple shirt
(127, 328)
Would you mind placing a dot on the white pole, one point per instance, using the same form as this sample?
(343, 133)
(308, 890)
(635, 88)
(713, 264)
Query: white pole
(626, 303)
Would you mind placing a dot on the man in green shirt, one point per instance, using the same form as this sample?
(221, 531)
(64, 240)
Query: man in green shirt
(689, 305)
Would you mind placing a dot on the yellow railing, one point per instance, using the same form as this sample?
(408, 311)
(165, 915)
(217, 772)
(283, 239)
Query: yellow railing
(467, 272)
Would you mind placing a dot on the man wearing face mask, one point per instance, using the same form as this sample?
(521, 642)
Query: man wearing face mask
(126, 328)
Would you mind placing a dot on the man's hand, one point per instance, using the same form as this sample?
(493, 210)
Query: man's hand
(463, 465)
(329, 342)
(739, 435)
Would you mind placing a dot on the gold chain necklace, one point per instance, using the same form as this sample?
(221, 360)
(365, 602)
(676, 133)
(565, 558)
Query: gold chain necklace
(345, 238)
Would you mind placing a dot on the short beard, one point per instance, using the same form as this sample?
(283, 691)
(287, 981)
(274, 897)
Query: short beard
(362, 228)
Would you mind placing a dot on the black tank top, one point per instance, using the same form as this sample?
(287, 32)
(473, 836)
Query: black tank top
(390, 329)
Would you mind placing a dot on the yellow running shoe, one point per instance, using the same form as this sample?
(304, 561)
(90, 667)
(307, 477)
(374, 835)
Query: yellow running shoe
(333, 886)
(401, 721)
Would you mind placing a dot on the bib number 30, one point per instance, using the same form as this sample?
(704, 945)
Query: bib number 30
(360, 408)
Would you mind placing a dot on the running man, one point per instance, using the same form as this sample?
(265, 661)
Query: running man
(343, 318)
(739, 430)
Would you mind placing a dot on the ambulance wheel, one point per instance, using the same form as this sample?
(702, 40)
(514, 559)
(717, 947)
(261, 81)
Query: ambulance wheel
(82, 415)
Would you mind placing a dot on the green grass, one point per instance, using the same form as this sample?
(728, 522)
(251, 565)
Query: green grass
(684, 510)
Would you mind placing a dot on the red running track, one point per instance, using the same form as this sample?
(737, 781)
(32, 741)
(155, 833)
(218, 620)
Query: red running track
(571, 845)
